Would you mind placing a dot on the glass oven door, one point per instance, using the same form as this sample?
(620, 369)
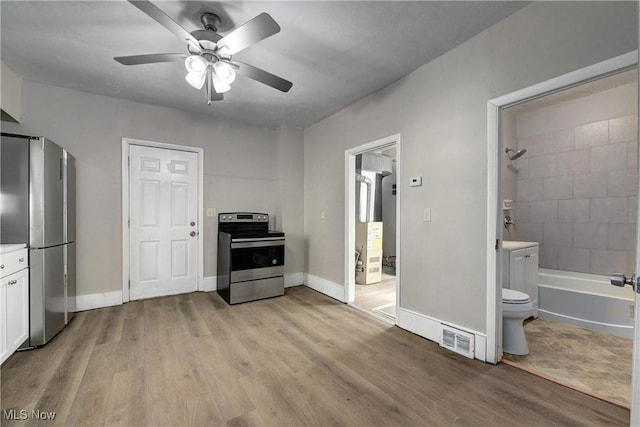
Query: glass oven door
(256, 259)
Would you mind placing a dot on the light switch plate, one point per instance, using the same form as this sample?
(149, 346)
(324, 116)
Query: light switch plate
(426, 215)
(211, 211)
(415, 181)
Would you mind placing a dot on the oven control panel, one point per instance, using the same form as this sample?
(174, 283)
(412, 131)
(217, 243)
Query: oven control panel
(243, 217)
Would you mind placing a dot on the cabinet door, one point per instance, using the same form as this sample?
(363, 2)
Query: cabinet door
(3, 319)
(532, 273)
(517, 270)
(17, 297)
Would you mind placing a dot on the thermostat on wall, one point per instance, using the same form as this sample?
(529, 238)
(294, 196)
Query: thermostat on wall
(415, 181)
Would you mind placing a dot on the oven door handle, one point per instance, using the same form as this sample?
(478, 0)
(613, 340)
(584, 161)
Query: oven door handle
(253, 243)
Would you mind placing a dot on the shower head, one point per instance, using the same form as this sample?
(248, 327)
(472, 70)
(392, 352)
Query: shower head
(516, 154)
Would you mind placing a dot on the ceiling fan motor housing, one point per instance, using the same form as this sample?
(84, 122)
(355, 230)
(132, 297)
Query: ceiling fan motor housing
(211, 21)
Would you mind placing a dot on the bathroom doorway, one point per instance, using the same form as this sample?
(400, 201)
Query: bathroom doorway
(568, 187)
(372, 237)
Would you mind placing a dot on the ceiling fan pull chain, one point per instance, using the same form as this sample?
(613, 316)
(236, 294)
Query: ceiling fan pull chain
(209, 86)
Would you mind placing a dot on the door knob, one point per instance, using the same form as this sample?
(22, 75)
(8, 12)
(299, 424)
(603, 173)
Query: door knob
(192, 234)
(622, 280)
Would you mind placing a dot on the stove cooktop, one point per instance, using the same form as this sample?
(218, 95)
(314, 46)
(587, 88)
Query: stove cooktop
(246, 225)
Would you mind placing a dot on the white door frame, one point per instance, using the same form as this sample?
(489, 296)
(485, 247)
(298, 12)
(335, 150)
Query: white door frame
(350, 212)
(494, 184)
(126, 143)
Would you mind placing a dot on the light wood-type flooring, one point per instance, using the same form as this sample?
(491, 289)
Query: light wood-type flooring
(297, 360)
(591, 361)
(378, 298)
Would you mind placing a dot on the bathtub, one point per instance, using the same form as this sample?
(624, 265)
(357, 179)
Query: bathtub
(586, 300)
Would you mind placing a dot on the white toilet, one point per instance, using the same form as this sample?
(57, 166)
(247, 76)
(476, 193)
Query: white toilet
(516, 306)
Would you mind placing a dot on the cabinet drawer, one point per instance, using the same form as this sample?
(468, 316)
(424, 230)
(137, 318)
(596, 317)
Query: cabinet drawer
(13, 261)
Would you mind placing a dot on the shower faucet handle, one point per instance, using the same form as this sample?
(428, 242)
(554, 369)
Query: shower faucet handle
(621, 280)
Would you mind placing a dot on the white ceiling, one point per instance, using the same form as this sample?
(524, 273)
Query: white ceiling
(335, 53)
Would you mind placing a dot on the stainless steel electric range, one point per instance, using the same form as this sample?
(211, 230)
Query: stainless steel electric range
(250, 257)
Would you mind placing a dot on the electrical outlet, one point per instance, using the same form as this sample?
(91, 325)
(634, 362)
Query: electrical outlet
(211, 211)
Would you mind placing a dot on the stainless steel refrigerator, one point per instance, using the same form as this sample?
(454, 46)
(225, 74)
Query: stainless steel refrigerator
(39, 209)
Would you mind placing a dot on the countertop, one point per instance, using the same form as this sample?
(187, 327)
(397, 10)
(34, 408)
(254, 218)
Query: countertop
(10, 247)
(513, 245)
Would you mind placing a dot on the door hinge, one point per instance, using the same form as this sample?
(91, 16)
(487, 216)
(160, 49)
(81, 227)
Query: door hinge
(129, 223)
(129, 283)
(129, 160)
(497, 244)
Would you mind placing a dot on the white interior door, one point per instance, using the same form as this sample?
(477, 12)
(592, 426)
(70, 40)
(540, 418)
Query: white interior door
(163, 215)
(635, 376)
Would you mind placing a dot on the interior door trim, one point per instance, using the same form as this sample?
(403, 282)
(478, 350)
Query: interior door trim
(350, 214)
(126, 143)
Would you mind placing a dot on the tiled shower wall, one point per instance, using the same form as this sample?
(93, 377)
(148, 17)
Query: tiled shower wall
(576, 187)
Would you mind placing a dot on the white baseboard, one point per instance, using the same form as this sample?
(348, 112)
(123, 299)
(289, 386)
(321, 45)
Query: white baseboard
(210, 284)
(431, 328)
(293, 279)
(324, 286)
(91, 301)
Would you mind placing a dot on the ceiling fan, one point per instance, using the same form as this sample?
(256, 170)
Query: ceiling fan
(209, 61)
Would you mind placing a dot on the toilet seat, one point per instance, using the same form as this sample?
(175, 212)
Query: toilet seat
(511, 296)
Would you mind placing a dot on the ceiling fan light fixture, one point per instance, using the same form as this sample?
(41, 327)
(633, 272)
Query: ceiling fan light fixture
(219, 85)
(196, 79)
(224, 72)
(195, 64)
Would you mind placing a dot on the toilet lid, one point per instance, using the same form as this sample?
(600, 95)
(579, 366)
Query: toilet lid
(511, 296)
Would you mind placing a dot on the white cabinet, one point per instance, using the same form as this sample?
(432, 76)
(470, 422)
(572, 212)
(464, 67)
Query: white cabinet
(14, 300)
(520, 269)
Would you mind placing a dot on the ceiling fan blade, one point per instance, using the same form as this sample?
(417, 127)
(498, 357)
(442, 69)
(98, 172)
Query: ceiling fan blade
(150, 58)
(258, 28)
(165, 20)
(263, 76)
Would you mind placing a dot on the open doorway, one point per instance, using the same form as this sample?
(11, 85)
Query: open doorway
(568, 214)
(372, 238)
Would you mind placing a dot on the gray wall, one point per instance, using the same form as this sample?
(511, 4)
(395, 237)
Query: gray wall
(441, 112)
(510, 170)
(240, 169)
(289, 214)
(578, 182)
